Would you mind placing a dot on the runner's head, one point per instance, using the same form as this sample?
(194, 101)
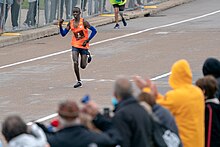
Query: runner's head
(76, 12)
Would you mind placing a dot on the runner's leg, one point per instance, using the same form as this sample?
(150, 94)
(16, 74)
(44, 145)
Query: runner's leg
(116, 10)
(121, 11)
(83, 62)
(75, 58)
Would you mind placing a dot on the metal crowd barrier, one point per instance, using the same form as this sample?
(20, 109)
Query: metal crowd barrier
(18, 15)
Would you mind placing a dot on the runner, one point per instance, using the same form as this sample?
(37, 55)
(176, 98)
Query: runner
(80, 41)
(119, 6)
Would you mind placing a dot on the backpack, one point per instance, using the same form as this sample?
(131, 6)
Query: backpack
(163, 136)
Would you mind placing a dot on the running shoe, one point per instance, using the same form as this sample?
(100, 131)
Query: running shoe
(78, 84)
(116, 26)
(89, 57)
(124, 22)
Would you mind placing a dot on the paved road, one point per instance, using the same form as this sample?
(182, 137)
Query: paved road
(33, 89)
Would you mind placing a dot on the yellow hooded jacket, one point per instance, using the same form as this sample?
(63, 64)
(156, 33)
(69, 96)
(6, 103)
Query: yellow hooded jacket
(186, 103)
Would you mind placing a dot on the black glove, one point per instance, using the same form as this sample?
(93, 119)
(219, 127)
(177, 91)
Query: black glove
(85, 42)
(60, 22)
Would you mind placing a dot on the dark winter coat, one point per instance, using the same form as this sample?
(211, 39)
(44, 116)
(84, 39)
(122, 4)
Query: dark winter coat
(165, 117)
(80, 136)
(134, 123)
(212, 123)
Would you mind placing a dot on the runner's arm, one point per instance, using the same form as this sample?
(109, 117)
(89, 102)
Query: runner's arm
(63, 32)
(92, 28)
(93, 33)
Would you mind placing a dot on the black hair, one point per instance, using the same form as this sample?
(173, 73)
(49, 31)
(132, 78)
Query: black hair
(77, 8)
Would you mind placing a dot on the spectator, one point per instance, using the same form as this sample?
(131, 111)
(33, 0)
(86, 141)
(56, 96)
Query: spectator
(212, 67)
(53, 10)
(31, 14)
(4, 8)
(72, 133)
(131, 119)
(46, 11)
(102, 6)
(16, 133)
(185, 101)
(74, 3)
(68, 9)
(164, 115)
(15, 10)
(83, 5)
(209, 86)
(55, 5)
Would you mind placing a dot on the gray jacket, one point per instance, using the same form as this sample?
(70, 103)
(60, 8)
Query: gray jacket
(38, 139)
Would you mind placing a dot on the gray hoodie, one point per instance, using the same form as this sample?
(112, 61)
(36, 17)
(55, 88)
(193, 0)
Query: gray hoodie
(38, 139)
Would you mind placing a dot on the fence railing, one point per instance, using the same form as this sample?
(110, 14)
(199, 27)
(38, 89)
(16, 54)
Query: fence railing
(27, 14)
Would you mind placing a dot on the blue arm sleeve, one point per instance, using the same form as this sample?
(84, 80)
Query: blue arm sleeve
(94, 31)
(63, 32)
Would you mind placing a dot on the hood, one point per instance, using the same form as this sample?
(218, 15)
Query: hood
(26, 140)
(36, 139)
(211, 67)
(180, 74)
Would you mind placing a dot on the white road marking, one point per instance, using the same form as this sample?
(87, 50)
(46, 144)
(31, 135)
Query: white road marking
(115, 38)
(87, 80)
(107, 40)
(102, 80)
(161, 33)
(106, 80)
(161, 76)
(44, 118)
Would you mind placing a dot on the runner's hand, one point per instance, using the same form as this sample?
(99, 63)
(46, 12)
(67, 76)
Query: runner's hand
(61, 22)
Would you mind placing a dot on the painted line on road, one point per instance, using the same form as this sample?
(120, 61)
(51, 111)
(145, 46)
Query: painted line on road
(111, 39)
(44, 118)
(55, 114)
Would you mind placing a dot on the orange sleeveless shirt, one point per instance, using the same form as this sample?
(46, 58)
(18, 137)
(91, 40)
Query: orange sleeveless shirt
(80, 34)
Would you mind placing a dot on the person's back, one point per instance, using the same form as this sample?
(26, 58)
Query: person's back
(164, 115)
(77, 136)
(212, 135)
(212, 67)
(131, 119)
(72, 132)
(186, 103)
(17, 135)
(134, 124)
(26, 140)
(209, 86)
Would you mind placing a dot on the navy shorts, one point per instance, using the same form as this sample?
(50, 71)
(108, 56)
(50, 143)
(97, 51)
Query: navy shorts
(81, 51)
(121, 7)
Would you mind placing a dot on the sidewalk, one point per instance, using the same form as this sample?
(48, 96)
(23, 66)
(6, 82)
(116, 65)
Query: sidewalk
(7, 39)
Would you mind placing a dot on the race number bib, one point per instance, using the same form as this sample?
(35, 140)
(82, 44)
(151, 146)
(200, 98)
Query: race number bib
(79, 35)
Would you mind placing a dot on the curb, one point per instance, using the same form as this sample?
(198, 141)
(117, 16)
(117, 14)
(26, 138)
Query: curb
(51, 30)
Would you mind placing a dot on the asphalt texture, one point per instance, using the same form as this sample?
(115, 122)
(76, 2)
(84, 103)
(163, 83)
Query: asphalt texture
(33, 89)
